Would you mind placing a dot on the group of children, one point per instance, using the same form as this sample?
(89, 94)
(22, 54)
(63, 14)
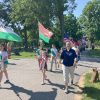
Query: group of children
(42, 56)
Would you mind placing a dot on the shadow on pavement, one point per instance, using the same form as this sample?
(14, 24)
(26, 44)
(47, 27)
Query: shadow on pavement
(89, 66)
(17, 90)
(75, 92)
(76, 74)
(51, 95)
(58, 85)
(93, 93)
(12, 64)
(16, 59)
(58, 71)
(55, 84)
(78, 86)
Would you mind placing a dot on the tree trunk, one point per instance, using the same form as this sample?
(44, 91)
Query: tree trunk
(61, 19)
(25, 41)
(92, 43)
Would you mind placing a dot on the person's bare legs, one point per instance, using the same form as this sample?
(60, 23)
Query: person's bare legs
(39, 63)
(55, 59)
(1, 75)
(52, 59)
(58, 64)
(44, 76)
(6, 73)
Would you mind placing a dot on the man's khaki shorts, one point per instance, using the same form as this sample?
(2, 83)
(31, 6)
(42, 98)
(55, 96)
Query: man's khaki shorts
(68, 71)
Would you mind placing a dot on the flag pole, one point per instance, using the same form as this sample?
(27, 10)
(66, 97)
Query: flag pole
(38, 35)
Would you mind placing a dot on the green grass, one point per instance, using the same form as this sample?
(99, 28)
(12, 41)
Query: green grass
(91, 91)
(24, 55)
(93, 53)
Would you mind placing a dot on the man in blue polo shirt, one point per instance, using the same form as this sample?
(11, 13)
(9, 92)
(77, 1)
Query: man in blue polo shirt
(69, 58)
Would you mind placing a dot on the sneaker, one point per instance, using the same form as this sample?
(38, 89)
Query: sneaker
(66, 90)
(7, 81)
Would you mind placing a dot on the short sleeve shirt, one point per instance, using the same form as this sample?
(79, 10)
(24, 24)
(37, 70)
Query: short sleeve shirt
(54, 52)
(4, 54)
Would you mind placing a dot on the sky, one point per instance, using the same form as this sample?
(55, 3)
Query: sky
(80, 6)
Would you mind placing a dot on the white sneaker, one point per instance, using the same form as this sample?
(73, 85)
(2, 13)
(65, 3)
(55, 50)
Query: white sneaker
(66, 90)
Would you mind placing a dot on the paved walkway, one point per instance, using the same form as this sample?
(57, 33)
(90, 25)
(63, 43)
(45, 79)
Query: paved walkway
(26, 81)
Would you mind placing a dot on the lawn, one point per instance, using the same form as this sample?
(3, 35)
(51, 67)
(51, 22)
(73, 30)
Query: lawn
(91, 91)
(93, 53)
(24, 55)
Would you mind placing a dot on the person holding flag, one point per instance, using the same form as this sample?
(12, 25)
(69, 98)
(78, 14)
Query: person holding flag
(43, 64)
(38, 52)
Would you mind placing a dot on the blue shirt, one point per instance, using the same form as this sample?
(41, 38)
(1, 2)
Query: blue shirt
(68, 57)
(53, 52)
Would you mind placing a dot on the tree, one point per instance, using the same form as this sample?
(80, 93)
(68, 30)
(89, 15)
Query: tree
(71, 26)
(36, 11)
(5, 9)
(28, 18)
(23, 16)
(59, 7)
(91, 20)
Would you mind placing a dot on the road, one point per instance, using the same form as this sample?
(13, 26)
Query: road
(26, 79)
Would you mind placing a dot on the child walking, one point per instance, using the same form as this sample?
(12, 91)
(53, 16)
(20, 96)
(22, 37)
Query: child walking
(3, 63)
(43, 65)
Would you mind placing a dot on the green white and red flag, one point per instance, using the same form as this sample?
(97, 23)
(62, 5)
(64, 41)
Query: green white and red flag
(44, 34)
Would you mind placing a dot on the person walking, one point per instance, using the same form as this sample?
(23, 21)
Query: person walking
(54, 54)
(43, 65)
(75, 47)
(69, 58)
(39, 55)
(3, 63)
(58, 57)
